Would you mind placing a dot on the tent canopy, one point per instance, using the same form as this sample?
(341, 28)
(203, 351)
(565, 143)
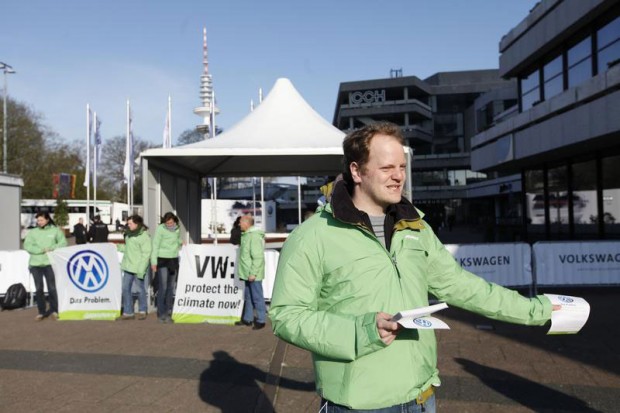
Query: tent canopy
(282, 136)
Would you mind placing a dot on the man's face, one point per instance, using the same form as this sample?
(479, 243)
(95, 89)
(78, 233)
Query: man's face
(379, 183)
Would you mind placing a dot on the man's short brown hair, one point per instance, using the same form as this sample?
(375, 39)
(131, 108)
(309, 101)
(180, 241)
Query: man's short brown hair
(356, 145)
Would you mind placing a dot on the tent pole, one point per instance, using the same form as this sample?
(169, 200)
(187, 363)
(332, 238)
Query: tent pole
(254, 196)
(215, 209)
(299, 199)
(262, 204)
(409, 176)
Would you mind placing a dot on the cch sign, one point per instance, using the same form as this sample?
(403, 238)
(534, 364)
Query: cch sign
(367, 96)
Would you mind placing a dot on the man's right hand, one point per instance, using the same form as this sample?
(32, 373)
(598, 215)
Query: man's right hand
(388, 330)
(154, 268)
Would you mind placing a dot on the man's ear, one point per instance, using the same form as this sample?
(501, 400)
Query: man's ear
(356, 172)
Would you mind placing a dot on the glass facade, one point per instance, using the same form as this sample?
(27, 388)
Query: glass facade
(557, 199)
(449, 177)
(552, 74)
(608, 40)
(530, 90)
(566, 201)
(572, 65)
(536, 218)
(579, 58)
(584, 199)
(611, 196)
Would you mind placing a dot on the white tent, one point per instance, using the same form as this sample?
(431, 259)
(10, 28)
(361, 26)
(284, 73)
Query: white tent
(283, 136)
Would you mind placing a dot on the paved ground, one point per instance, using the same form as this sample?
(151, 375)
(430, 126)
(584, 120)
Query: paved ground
(144, 366)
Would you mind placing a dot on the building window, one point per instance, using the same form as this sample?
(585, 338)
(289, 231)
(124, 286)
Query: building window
(608, 39)
(611, 197)
(530, 90)
(584, 200)
(429, 178)
(535, 204)
(580, 62)
(558, 202)
(552, 75)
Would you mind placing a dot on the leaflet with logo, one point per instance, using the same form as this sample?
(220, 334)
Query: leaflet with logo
(420, 318)
(571, 317)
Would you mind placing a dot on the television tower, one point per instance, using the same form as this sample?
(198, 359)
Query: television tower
(208, 110)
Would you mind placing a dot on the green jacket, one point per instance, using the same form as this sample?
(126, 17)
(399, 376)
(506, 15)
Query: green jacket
(166, 243)
(333, 277)
(136, 253)
(40, 239)
(252, 254)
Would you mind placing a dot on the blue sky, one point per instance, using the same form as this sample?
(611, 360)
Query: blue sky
(68, 53)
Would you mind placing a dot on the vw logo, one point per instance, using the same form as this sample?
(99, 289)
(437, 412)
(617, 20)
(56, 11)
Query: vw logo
(565, 299)
(88, 271)
(422, 322)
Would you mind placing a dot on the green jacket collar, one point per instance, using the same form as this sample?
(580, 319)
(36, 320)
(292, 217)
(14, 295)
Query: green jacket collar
(403, 214)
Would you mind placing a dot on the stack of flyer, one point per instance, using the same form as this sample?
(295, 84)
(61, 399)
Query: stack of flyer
(420, 318)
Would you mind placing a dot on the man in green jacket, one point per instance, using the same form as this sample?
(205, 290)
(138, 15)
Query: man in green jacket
(252, 271)
(361, 258)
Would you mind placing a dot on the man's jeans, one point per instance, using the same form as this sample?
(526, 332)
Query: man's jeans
(128, 280)
(254, 299)
(165, 290)
(38, 273)
(411, 407)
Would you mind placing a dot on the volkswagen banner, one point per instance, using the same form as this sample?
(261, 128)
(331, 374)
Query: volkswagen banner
(88, 280)
(207, 288)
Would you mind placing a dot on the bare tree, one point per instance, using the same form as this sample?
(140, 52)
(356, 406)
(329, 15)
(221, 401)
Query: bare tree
(112, 176)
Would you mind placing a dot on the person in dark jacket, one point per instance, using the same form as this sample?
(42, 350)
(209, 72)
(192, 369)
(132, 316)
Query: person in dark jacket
(79, 232)
(98, 232)
(235, 232)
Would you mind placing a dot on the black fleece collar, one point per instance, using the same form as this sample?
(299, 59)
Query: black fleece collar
(344, 210)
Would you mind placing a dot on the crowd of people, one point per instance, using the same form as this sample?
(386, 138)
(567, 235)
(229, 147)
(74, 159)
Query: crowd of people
(160, 255)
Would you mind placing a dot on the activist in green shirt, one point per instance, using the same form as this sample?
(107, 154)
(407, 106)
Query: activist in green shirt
(363, 257)
(165, 263)
(136, 256)
(251, 269)
(45, 237)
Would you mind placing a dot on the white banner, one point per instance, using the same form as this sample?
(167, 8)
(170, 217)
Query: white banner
(577, 263)
(14, 269)
(271, 265)
(207, 288)
(88, 281)
(506, 264)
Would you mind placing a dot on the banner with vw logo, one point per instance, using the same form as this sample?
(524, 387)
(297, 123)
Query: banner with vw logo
(88, 280)
(208, 289)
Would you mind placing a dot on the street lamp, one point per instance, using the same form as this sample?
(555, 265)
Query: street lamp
(7, 69)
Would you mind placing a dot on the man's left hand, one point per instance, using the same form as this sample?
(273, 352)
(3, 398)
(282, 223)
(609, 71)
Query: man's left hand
(251, 278)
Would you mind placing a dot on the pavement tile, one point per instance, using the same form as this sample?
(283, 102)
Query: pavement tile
(137, 366)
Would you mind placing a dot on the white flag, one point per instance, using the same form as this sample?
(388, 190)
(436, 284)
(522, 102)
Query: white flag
(128, 169)
(167, 137)
(88, 139)
(98, 140)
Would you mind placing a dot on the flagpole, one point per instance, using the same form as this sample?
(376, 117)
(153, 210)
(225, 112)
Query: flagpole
(87, 172)
(95, 150)
(169, 121)
(128, 161)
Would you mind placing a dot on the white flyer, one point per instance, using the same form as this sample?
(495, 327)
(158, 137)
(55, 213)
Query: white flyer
(571, 317)
(420, 318)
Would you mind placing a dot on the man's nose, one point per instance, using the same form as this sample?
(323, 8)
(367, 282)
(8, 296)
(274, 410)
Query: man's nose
(398, 175)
